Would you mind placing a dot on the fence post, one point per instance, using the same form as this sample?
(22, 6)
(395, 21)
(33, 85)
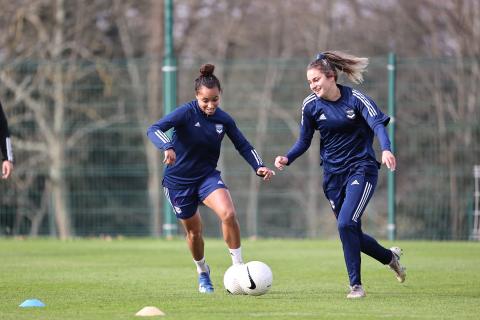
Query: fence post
(391, 67)
(476, 206)
(169, 70)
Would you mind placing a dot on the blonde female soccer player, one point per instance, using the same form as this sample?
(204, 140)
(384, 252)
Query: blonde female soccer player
(347, 120)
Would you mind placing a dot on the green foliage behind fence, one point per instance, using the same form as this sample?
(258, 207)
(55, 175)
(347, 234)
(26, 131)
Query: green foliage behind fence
(104, 171)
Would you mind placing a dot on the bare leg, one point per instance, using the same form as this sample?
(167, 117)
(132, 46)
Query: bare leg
(221, 203)
(193, 230)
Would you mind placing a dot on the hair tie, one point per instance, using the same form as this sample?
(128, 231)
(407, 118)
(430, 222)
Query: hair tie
(321, 56)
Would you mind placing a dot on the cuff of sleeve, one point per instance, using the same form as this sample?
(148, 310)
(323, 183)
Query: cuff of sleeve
(382, 136)
(167, 146)
(258, 167)
(289, 161)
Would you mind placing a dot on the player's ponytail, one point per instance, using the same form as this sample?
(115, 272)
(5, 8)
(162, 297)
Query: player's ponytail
(331, 62)
(207, 78)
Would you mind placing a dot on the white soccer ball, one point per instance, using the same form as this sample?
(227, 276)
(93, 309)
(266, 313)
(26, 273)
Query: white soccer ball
(231, 279)
(257, 279)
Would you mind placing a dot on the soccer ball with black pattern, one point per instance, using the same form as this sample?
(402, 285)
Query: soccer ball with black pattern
(257, 279)
(231, 279)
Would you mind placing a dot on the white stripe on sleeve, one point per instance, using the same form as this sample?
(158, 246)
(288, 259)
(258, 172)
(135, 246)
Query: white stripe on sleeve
(9, 150)
(371, 110)
(256, 156)
(306, 101)
(162, 136)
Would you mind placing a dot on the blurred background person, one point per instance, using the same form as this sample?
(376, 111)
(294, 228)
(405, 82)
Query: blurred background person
(5, 146)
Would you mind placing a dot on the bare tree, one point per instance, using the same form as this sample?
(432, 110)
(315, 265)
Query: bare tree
(437, 39)
(44, 94)
(260, 49)
(153, 99)
(145, 89)
(457, 104)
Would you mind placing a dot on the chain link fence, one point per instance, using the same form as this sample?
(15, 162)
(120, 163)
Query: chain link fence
(81, 150)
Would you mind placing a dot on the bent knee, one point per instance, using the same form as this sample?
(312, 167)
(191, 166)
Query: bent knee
(346, 226)
(228, 216)
(194, 234)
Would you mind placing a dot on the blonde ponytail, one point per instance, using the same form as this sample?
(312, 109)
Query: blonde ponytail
(330, 62)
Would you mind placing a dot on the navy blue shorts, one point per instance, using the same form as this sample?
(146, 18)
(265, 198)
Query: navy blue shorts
(185, 201)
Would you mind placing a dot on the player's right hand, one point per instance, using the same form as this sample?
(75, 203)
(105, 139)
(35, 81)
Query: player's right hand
(169, 157)
(281, 162)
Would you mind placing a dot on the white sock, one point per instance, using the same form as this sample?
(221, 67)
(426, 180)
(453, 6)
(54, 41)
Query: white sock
(236, 255)
(201, 265)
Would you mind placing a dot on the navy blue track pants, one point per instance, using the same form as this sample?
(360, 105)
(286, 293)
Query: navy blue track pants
(349, 194)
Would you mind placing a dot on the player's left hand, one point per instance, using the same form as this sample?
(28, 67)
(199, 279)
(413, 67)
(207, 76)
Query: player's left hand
(389, 160)
(266, 173)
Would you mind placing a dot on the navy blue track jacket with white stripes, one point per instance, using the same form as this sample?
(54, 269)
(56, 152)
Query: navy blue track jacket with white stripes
(196, 140)
(347, 127)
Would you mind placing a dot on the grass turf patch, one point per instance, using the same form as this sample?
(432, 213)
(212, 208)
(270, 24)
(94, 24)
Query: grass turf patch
(98, 279)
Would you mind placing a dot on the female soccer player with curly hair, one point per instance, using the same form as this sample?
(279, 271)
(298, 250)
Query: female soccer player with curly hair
(191, 157)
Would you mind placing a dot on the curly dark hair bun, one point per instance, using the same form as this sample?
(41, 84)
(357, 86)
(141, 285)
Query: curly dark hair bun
(207, 78)
(207, 69)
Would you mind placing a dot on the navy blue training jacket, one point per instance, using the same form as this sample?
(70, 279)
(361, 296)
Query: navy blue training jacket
(196, 141)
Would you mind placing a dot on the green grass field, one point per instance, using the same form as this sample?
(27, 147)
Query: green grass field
(98, 279)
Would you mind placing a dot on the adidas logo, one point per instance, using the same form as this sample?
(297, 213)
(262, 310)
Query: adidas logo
(322, 117)
(220, 182)
(354, 182)
(197, 124)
